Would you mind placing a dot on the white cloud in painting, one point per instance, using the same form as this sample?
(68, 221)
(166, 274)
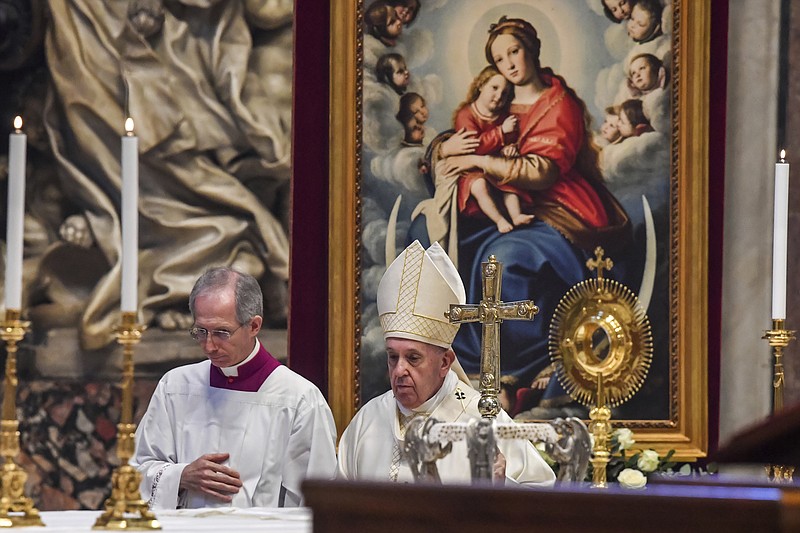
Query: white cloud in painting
(419, 45)
(617, 41)
(373, 237)
(370, 277)
(596, 6)
(371, 210)
(399, 167)
(432, 5)
(636, 161)
(381, 130)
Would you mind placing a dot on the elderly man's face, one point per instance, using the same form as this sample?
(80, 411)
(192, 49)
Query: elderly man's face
(416, 370)
(215, 310)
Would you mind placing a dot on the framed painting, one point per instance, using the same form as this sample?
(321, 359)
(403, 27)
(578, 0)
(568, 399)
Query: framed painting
(537, 131)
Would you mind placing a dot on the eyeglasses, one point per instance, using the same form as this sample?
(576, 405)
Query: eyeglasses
(221, 335)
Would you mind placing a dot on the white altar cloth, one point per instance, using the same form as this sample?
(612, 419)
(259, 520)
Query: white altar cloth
(219, 519)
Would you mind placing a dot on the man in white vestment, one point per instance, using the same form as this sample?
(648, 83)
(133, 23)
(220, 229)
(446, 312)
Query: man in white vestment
(413, 297)
(238, 429)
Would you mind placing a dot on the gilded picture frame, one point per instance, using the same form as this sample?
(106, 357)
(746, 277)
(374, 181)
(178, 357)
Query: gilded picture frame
(684, 427)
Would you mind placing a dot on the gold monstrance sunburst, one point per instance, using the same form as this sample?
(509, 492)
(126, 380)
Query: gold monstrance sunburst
(602, 347)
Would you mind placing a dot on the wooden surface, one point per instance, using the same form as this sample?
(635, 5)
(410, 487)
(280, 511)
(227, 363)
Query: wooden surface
(769, 441)
(340, 506)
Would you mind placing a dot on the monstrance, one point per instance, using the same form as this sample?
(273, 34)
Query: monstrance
(602, 347)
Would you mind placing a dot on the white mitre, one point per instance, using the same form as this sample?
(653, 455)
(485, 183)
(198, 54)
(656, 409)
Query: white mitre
(415, 294)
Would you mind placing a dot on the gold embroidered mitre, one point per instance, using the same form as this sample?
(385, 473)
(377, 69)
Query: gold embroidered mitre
(415, 293)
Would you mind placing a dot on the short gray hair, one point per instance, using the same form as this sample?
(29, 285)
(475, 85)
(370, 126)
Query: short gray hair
(247, 292)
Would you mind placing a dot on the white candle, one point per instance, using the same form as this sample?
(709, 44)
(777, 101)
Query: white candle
(779, 237)
(130, 217)
(17, 142)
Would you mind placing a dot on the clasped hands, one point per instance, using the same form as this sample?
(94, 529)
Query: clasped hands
(207, 475)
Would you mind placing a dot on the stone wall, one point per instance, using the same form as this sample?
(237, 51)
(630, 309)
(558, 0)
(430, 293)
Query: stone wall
(755, 81)
(751, 152)
(68, 440)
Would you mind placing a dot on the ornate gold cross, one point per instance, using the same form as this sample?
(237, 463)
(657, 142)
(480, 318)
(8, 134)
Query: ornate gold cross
(490, 312)
(599, 262)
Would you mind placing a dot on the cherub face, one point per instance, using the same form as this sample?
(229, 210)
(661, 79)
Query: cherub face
(492, 94)
(641, 23)
(419, 110)
(621, 9)
(394, 26)
(609, 129)
(400, 74)
(643, 76)
(417, 134)
(626, 129)
(414, 131)
(404, 13)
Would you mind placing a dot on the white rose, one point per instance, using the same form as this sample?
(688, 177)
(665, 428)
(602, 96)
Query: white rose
(542, 449)
(648, 461)
(624, 438)
(630, 478)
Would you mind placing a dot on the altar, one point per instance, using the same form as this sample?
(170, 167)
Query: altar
(288, 520)
(340, 507)
(346, 506)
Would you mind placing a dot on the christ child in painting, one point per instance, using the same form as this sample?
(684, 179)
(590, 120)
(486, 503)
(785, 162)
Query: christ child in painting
(485, 111)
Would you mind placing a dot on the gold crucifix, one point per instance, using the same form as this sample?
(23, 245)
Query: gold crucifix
(490, 312)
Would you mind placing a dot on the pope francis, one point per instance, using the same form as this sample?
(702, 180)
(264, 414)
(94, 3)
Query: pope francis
(413, 296)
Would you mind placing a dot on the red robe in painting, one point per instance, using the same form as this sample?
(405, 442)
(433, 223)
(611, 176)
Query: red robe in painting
(553, 127)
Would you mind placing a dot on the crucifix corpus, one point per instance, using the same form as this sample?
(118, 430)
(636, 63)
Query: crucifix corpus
(491, 312)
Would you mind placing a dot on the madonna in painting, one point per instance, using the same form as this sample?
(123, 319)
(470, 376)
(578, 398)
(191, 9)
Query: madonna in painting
(554, 160)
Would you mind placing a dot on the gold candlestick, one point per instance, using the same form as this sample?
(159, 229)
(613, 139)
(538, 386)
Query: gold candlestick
(778, 338)
(125, 508)
(16, 509)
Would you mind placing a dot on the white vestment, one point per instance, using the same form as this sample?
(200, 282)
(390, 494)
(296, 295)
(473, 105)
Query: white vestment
(276, 437)
(368, 443)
